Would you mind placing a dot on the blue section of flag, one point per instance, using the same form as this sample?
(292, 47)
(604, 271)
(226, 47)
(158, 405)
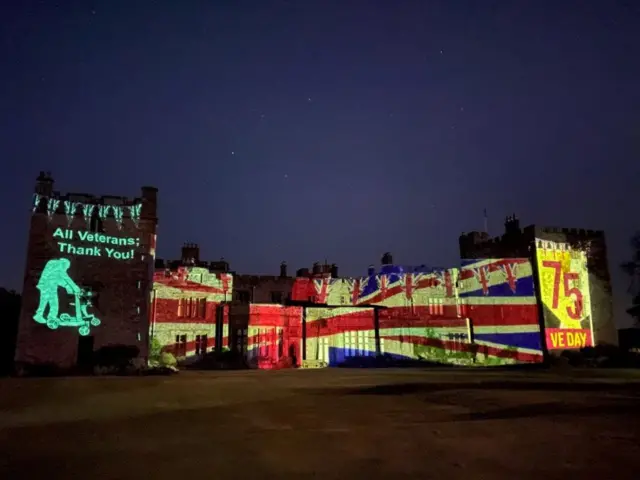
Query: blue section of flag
(529, 340)
(338, 356)
(369, 285)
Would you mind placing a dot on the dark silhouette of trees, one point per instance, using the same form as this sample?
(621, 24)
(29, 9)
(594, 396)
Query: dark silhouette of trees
(9, 316)
(632, 268)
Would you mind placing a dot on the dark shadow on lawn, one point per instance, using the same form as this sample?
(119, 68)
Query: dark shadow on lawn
(388, 361)
(632, 388)
(624, 408)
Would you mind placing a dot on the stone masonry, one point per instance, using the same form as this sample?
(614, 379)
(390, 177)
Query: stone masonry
(121, 287)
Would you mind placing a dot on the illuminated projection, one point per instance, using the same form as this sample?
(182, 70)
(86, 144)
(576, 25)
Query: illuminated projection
(273, 337)
(54, 276)
(91, 244)
(564, 290)
(70, 208)
(483, 313)
(188, 310)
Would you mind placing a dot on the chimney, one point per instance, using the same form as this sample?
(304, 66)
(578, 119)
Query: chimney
(334, 271)
(190, 254)
(371, 270)
(283, 269)
(317, 270)
(387, 259)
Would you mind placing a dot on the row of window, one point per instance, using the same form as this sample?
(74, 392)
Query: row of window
(192, 307)
(197, 307)
(181, 345)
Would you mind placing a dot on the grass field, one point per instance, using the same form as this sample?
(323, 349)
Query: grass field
(332, 423)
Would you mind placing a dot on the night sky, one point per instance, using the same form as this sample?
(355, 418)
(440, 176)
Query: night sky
(316, 129)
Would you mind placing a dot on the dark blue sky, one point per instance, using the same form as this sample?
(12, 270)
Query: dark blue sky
(313, 129)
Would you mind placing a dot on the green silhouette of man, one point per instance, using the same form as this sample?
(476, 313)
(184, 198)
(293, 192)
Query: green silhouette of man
(54, 275)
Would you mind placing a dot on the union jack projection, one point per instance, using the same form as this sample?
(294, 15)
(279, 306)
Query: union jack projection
(483, 313)
(189, 310)
(480, 314)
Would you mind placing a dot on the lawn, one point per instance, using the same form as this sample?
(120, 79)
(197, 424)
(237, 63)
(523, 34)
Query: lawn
(331, 423)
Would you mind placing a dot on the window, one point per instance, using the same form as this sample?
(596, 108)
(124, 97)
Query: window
(181, 345)
(276, 297)
(241, 339)
(201, 344)
(192, 307)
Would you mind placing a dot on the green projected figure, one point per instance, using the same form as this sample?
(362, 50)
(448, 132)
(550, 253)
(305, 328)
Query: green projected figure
(55, 275)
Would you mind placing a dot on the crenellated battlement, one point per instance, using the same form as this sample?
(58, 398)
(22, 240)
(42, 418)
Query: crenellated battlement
(47, 201)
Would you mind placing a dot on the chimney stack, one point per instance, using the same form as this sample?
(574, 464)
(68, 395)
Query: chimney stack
(283, 269)
(317, 270)
(302, 272)
(371, 270)
(334, 271)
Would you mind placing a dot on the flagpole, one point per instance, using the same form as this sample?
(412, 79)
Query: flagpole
(486, 222)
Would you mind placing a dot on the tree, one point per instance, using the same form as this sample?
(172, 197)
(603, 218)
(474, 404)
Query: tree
(632, 268)
(9, 316)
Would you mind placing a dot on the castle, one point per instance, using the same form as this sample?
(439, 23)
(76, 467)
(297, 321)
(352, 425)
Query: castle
(92, 280)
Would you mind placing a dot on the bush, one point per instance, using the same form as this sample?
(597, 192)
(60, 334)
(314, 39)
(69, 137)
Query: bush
(47, 369)
(155, 351)
(601, 356)
(115, 358)
(168, 359)
(575, 358)
(225, 360)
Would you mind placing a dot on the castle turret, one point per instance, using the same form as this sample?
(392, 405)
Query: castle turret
(190, 254)
(44, 184)
(149, 203)
(512, 225)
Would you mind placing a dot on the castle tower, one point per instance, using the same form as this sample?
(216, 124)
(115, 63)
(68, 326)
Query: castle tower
(87, 283)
